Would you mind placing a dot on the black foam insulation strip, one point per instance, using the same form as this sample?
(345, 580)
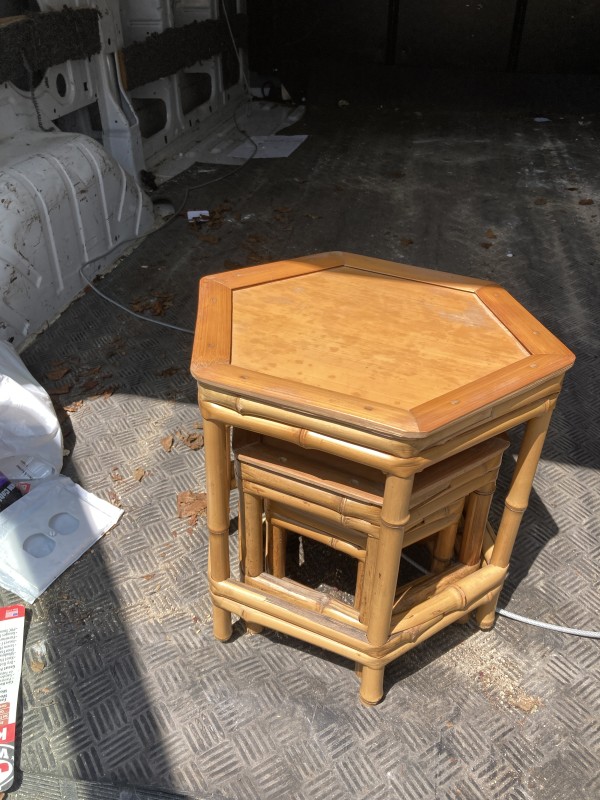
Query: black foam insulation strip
(163, 54)
(48, 39)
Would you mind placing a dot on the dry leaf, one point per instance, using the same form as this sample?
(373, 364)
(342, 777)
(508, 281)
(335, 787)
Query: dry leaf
(190, 505)
(37, 666)
(572, 188)
(194, 440)
(73, 407)
(405, 242)
(206, 237)
(158, 308)
(156, 305)
(57, 373)
(586, 201)
(89, 385)
(167, 443)
(487, 245)
(110, 390)
(166, 373)
(115, 474)
(215, 218)
(139, 473)
(149, 576)
(229, 264)
(63, 389)
(114, 498)
(540, 201)
(282, 216)
(490, 234)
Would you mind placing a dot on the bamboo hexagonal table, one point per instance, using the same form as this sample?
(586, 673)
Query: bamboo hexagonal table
(387, 365)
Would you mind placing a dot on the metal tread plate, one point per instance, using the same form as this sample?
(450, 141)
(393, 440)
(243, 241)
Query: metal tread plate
(123, 683)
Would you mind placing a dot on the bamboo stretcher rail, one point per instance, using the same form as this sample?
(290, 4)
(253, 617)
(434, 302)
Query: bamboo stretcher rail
(456, 599)
(421, 589)
(302, 525)
(298, 631)
(335, 500)
(356, 523)
(381, 460)
(497, 426)
(314, 433)
(266, 481)
(357, 551)
(452, 496)
(301, 436)
(305, 597)
(439, 505)
(456, 596)
(354, 480)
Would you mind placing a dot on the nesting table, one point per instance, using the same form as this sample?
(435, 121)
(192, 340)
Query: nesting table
(385, 365)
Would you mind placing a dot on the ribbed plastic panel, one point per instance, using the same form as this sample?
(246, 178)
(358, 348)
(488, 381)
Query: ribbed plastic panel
(64, 201)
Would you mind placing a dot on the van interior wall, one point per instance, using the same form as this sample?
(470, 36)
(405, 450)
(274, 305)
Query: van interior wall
(36, 41)
(523, 36)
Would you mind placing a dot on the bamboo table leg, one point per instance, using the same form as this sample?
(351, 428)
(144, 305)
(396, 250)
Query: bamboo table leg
(515, 504)
(478, 509)
(277, 539)
(444, 548)
(216, 449)
(394, 517)
(252, 531)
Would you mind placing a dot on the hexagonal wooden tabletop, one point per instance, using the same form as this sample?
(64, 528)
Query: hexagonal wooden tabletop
(390, 347)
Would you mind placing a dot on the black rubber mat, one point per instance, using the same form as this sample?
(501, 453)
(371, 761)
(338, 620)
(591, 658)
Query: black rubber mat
(125, 692)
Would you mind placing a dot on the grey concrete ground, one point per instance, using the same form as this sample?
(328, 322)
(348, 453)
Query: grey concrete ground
(125, 692)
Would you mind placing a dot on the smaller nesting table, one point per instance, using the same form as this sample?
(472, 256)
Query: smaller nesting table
(389, 367)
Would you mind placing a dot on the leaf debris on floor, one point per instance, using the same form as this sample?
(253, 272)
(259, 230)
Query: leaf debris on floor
(190, 505)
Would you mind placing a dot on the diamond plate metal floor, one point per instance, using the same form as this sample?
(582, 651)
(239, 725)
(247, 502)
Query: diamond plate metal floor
(125, 692)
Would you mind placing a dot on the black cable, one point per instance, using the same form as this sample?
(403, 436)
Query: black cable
(29, 70)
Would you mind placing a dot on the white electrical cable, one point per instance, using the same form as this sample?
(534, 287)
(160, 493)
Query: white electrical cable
(129, 311)
(536, 623)
(181, 205)
(164, 225)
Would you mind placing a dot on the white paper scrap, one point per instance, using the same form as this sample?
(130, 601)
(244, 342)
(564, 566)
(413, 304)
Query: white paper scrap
(46, 531)
(201, 216)
(269, 147)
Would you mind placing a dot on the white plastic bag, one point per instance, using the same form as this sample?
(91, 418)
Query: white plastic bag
(31, 443)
